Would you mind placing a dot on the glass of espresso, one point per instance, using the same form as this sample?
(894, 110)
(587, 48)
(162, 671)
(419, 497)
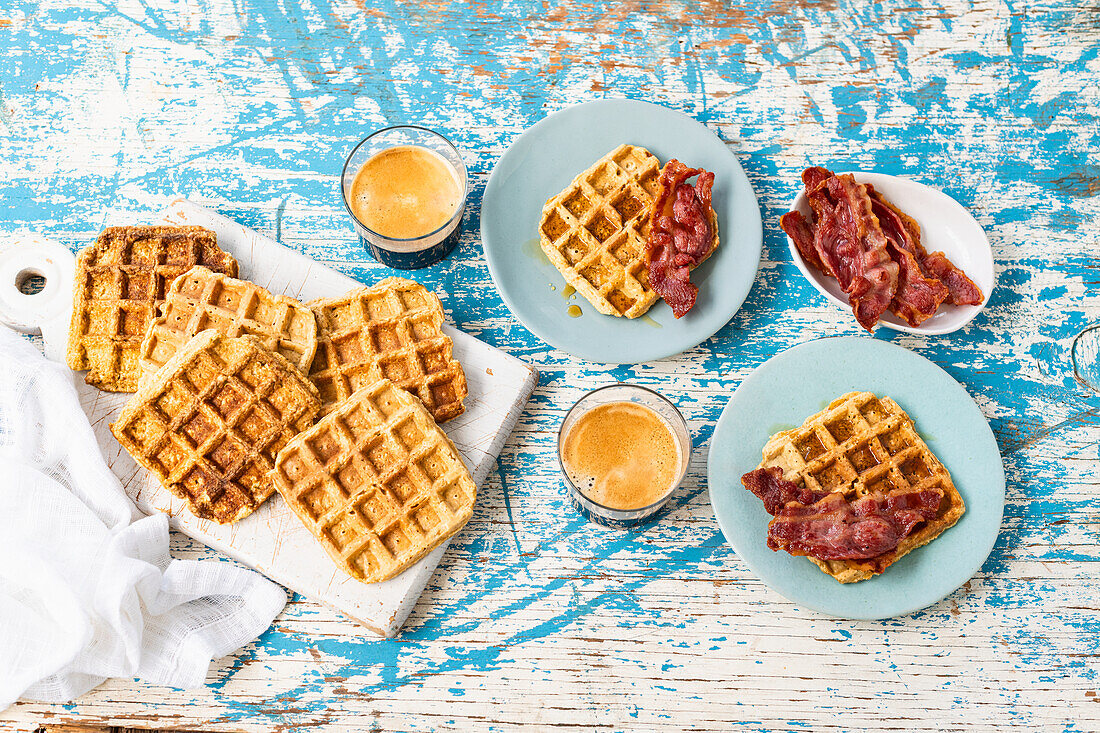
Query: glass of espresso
(405, 188)
(623, 450)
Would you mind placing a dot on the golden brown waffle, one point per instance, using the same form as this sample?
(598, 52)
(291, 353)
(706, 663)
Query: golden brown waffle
(119, 282)
(201, 299)
(857, 445)
(595, 231)
(390, 330)
(377, 482)
(209, 423)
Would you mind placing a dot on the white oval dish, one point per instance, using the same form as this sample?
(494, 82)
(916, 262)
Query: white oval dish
(945, 227)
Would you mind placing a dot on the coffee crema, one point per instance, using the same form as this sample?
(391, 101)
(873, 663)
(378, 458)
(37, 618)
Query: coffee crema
(405, 192)
(622, 455)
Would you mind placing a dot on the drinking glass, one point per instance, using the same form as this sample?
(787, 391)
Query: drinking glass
(406, 254)
(622, 392)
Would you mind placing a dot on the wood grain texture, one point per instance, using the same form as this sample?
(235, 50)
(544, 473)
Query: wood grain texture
(535, 616)
(78, 728)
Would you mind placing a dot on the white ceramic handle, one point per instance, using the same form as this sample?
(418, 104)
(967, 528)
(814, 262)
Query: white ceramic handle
(47, 311)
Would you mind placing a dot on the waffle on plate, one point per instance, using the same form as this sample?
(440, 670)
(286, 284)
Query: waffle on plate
(861, 447)
(377, 482)
(595, 231)
(119, 283)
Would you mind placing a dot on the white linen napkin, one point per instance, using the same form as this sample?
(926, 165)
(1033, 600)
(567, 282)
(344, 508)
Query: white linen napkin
(87, 588)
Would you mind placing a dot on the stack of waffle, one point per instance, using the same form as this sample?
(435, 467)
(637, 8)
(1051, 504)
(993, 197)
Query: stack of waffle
(227, 379)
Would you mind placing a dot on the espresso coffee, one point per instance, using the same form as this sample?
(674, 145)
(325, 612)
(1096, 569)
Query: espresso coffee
(622, 455)
(405, 192)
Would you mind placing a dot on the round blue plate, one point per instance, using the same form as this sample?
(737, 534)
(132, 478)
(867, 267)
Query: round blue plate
(543, 160)
(793, 385)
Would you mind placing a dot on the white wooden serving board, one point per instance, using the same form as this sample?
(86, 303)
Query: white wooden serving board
(272, 540)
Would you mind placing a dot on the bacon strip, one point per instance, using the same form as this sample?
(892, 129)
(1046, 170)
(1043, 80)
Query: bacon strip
(962, 290)
(802, 234)
(835, 529)
(828, 526)
(847, 242)
(874, 251)
(775, 491)
(874, 274)
(918, 297)
(824, 230)
(815, 176)
(681, 236)
(829, 237)
(935, 266)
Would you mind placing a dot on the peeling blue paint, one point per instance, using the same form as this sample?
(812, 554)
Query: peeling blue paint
(1021, 155)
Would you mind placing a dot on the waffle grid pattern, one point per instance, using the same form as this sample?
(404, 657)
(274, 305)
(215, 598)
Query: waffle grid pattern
(391, 330)
(595, 231)
(202, 299)
(377, 482)
(858, 445)
(210, 423)
(119, 282)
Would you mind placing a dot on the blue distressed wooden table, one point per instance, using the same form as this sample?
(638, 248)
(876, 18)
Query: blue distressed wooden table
(535, 615)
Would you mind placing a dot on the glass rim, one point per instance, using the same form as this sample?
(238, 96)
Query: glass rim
(465, 182)
(683, 469)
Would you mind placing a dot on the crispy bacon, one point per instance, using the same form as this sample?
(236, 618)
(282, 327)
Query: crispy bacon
(815, 176)
(918, 297)
(834, 528)
(873, 250)
(830, 527)
(829, 237)
(874, 275)
(825, 231)
(681, 236)
(775, 491)
(802, 234)
(961, 290)
(846, 242)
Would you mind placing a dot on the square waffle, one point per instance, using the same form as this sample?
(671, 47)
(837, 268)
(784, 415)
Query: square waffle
(857, 445)
(201, 299)
(595, 231)
(119, 282)
(390, 330)
(377, 482)
(210, 422)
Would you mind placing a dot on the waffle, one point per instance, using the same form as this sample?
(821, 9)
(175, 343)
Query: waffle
(595, 231)
(377, 482)
(390, 330)
(119, 282)
(857, 445)
(209, 423)
(202, 299)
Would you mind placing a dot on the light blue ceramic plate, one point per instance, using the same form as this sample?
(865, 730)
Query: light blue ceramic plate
(793, 385)
(543, 160)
